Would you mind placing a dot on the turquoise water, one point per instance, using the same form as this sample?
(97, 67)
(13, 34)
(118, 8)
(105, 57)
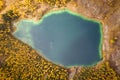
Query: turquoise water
(63, 38)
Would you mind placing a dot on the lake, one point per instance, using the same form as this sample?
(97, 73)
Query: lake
(63, 38)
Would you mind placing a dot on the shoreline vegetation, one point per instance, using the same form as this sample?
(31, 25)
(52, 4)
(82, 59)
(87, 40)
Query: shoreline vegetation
(20, 61)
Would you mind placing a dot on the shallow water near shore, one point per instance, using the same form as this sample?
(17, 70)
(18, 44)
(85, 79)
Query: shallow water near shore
(63, 38)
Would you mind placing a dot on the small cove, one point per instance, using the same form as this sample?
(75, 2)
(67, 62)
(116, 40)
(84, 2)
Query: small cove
(63, 38)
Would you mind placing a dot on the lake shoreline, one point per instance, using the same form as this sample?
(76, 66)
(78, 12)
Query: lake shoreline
(74, 14)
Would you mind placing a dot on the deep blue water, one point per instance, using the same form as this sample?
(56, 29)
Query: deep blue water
(63, 38)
